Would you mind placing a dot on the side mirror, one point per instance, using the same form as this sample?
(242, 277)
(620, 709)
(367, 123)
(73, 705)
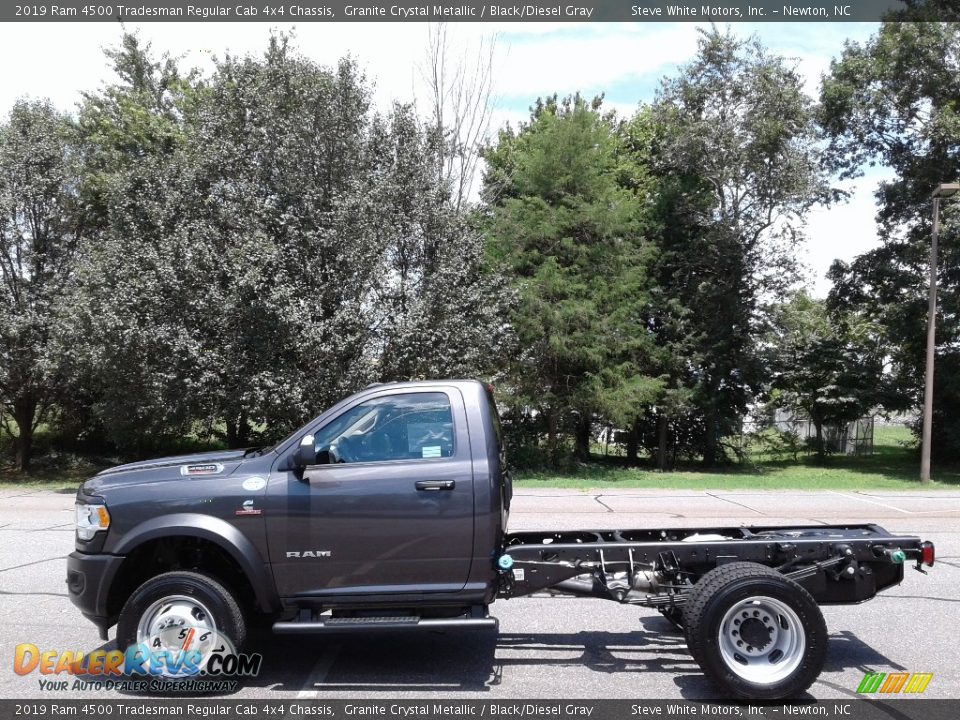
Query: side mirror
(307, 452)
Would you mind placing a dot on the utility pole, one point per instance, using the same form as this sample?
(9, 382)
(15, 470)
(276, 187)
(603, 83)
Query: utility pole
(944, 190)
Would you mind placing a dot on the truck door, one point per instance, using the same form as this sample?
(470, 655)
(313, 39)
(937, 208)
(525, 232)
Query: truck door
(388, 508)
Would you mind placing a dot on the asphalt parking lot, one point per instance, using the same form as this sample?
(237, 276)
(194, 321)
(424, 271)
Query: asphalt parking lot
(546, 647)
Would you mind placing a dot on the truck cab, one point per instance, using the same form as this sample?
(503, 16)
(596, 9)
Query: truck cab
(398, 496)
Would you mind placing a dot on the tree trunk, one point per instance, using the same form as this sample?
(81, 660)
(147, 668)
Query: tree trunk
(582, 438)
(552, 437)
(633, 443)
(243, 431)
(238, 432)
(710, 441)
(24, 410)
(821, 454)
(662, 442)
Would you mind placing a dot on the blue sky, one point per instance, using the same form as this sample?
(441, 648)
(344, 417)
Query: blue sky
(655, 50)
(625, 61)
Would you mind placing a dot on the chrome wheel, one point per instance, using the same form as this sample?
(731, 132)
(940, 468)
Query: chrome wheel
(761, 639)
(179, 624)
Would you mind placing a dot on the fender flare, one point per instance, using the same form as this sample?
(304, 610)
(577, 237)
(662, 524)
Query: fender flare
(217, 531)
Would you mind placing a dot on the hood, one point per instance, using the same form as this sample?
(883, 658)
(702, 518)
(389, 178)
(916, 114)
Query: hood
(175, 467)
(194, 459)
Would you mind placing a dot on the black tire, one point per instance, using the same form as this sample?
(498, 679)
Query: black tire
(222, 605)
(780, 616)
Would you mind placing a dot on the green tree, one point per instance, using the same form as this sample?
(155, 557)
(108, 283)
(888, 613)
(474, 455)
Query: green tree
(437, 310)
(737, 149)
(283, 169)
(893, 100)
(827, 366)
(559, 219)
(284, 247)
(38, 234)
(664, 428)
(121, 347)
(139, 117)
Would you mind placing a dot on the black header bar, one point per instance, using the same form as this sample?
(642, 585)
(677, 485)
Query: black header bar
(279, 11)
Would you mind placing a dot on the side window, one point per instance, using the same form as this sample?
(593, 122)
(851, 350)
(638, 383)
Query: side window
(395, 427)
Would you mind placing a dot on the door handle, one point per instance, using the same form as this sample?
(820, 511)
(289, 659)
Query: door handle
(435, 485)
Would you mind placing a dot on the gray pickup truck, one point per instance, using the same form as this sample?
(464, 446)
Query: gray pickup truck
(389, 511)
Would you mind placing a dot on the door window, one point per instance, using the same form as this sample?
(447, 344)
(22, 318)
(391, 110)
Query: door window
(392, 427)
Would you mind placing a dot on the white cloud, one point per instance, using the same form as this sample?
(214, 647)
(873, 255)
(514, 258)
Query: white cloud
(845, 230)
(388, 52)
(600, 56)
(32, 68)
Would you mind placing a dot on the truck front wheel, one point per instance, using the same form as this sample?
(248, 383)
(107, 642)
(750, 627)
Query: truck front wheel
(181, 611)
(755, 633)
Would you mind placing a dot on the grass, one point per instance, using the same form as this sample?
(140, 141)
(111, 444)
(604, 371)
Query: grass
(56, 486)
(61, 471)
(894, 465)
(58, 473)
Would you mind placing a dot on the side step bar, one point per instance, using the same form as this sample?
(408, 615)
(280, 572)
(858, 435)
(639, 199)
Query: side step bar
(403, 622)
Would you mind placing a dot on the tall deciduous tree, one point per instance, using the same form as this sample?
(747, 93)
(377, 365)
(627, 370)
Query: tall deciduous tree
(460, 98)
(437, 311)
(120, 341)
(736, 141)
(287, 246)
(284, 167)
(38, 234)
(893, 100)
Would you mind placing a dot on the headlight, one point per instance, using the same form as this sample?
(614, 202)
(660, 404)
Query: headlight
(91, 518)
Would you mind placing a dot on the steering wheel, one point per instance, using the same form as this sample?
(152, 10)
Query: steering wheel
(344, 450)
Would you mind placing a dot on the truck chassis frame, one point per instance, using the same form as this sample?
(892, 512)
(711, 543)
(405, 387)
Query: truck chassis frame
(658, 567)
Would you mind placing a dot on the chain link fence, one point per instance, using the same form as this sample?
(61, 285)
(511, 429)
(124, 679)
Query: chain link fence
(853, 438)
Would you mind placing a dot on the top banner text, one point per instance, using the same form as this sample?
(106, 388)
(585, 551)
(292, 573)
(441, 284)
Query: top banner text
(727, 11)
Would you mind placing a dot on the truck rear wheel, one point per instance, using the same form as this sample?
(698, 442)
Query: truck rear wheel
(755, 633)
(182, 611)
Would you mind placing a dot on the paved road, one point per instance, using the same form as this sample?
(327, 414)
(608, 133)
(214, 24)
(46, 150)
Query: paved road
(546, 647)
